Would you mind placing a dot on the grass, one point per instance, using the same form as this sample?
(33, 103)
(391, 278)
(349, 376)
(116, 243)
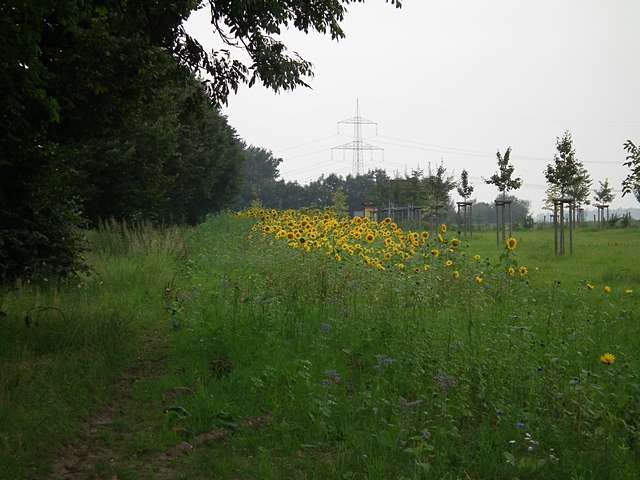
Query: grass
(62, 346)
(363, 374)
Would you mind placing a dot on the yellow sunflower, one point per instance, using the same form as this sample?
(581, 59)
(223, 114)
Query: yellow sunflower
(455, 274)
(443, 228)
(476, 258)
(512, 243)
(607, 358)
(607, 289)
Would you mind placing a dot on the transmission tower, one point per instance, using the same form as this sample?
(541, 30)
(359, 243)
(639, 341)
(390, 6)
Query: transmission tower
(357, 146)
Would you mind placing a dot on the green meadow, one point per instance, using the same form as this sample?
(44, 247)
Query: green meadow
(250, 359)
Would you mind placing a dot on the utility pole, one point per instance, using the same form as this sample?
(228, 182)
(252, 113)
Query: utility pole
(357, 146)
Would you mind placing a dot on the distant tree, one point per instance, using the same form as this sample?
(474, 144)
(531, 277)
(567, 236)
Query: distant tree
(567, 173)
(437, 188)
(631, 184)
(340, 203)
(502, 179)
(465, 190)
(259, 176)
(603, 195)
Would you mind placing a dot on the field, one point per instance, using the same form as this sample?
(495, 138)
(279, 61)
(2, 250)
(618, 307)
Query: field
(246, 356)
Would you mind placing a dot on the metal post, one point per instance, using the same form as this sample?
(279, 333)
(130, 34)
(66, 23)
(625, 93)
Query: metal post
(555, 227)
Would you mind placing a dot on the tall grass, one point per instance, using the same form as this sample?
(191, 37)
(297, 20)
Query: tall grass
(376, 375)
(62, 344)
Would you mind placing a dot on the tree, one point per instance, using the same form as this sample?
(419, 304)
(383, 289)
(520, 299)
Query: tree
(603, 195)
(465, 190)
(340, 203)
(437, 187)
(631, 184)
(502, 178)
(567, 173)
(254, 27)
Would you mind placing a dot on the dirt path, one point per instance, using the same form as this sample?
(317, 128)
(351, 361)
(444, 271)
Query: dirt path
(88, 456)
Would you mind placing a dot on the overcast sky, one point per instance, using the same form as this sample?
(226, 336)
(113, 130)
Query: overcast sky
(454, 81)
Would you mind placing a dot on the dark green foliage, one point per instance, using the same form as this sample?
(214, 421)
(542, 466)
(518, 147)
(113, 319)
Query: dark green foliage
(465, 190)
(255, 27)
(631, 184)
(502, 178)
(567, 175)
(604, 194)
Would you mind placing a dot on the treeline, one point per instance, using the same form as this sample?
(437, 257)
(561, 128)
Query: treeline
(99, 120)
(262, 184)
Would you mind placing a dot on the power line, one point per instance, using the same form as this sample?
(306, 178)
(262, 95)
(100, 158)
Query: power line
(293, 147)
(357, 146)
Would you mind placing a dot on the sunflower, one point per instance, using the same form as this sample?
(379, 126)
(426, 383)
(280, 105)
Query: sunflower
(425, 236)
(386, 221)
(290, 235)
(417, 269)
(478, 279)
(427, 267)
(511, 271)
(523, 271)
(512, 243)
(455, 274)
(443, 228)
(455, 243)
(435, 252)
(449, 263)
(628, 291)
(607, 358)
(590, 286)
(476, 257)
(370, 237)
(607, 289)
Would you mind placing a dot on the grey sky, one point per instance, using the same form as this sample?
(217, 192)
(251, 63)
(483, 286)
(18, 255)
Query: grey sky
(456, 80)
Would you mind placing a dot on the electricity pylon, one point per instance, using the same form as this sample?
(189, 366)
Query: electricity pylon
(357, 146)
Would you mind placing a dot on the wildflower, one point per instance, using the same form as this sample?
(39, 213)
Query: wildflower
(384, 360)
(511, 271)
(478, 279)
(607, 358)
(523, 271)
(476, 257)
(512, 243)
(444, 381)
(607, 289)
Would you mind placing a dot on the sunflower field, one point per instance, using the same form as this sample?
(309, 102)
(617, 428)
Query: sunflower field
(380, 352)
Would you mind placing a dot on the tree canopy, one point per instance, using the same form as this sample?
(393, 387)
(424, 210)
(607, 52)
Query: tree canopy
(502, 179)
(566, 173)
(631, 183)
